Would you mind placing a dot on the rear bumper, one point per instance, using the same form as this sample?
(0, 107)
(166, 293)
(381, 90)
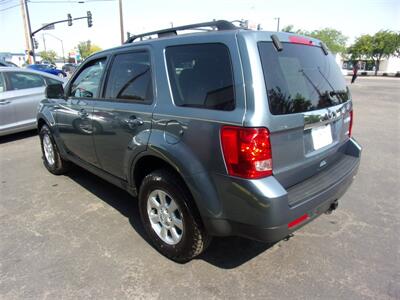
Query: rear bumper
(262, 209)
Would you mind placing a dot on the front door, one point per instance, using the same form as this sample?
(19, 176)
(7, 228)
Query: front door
(122, 117)
(27, 90)
(74, 116)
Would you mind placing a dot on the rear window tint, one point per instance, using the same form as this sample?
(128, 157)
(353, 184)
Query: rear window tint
(201, 76)
(301, 78)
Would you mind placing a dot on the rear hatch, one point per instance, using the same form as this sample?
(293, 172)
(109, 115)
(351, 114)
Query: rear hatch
(303, 81)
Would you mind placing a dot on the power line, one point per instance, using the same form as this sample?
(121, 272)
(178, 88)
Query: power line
(6, 1)
(66, 1)
(7, 8)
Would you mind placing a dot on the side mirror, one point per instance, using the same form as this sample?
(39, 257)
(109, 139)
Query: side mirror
(54, 91)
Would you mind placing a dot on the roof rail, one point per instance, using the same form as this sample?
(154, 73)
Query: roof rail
(219, 25)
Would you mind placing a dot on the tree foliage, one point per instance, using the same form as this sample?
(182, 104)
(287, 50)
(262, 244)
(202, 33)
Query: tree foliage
(382, 44)
(49, 56)
(86, 48)
(333, 38)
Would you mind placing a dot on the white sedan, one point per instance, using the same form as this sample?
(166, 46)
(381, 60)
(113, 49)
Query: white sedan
(21, 90)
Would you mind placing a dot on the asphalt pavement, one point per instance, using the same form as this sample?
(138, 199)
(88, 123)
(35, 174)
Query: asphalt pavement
(79, 237)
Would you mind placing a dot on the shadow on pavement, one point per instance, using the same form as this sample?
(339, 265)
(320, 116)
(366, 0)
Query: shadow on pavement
(225, 253)
(17, 136)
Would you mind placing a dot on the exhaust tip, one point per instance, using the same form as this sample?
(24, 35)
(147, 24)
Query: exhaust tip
(334, 205)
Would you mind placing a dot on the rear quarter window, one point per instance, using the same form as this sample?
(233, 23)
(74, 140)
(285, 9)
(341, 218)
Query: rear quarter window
(201, 76)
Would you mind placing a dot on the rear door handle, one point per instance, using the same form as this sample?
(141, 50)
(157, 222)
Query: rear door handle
(4, 102)
(134, 122)
(82, 113)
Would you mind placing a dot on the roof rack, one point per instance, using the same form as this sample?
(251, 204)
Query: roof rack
(219, 25)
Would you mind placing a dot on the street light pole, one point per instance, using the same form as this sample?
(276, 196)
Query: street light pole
(121, 21)
(44, 42)
(62, 44)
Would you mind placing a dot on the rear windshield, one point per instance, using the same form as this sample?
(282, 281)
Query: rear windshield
(301, 78)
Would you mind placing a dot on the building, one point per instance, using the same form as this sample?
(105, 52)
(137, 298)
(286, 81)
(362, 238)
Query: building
(388, 66)
(17, 58)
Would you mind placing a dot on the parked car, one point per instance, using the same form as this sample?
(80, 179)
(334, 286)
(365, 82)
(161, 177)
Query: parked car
(219, 133)
(4, 63)
(69, 67)
(21, 90)
(51, 69)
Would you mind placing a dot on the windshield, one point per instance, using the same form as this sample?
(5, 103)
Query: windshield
(301, 78)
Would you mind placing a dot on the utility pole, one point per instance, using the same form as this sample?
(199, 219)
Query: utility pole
(28, 40)
(121, 21)
(28, 22)
(278, 19)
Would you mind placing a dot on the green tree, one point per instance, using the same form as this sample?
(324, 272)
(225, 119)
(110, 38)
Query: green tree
(288, 28)
(86, 48)
(333, 38)
(49, 56)
(382, 44)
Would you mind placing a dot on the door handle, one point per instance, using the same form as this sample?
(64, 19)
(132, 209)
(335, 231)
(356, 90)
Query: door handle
(4, 102)
(134, 122)
(83, 114)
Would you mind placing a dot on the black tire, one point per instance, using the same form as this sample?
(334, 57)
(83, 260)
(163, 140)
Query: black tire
(194, 238)
(59, 166)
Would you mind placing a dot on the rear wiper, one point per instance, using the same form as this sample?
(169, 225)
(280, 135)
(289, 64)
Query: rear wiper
(333, 92)
(311, 82)
(326, 94)
(323, 76)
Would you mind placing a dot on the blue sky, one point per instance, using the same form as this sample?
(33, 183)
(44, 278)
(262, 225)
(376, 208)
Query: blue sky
(353, 18)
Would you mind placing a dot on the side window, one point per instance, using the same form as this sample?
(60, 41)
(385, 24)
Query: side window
(52, 81)
(21, 80)
(201, 76)
(87, 84)
(130, 78)
(2, 83)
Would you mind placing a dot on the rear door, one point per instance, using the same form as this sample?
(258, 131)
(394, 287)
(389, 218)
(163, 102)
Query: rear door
(309, 99)
(7, 111)
(26, 90)
(75, 115)
(122, 117)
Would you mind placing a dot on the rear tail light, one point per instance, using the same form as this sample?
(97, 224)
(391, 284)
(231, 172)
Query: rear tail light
(247, 151)
(351, 122)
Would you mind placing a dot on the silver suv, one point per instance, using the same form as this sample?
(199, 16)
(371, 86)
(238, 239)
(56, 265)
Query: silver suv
(218, 133)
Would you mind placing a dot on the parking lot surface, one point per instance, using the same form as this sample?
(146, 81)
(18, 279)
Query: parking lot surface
(77, 236)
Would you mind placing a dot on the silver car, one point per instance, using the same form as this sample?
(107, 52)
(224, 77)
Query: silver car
(20, 93)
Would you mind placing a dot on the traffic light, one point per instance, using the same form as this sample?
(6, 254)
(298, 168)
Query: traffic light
(35, 43)
(69, 20)
(89, 19)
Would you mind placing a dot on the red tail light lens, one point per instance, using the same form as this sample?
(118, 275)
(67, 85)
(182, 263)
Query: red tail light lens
(300, 40)
(247, 151)
(351, 123)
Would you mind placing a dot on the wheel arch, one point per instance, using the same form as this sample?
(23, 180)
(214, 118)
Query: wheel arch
(200, 187)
